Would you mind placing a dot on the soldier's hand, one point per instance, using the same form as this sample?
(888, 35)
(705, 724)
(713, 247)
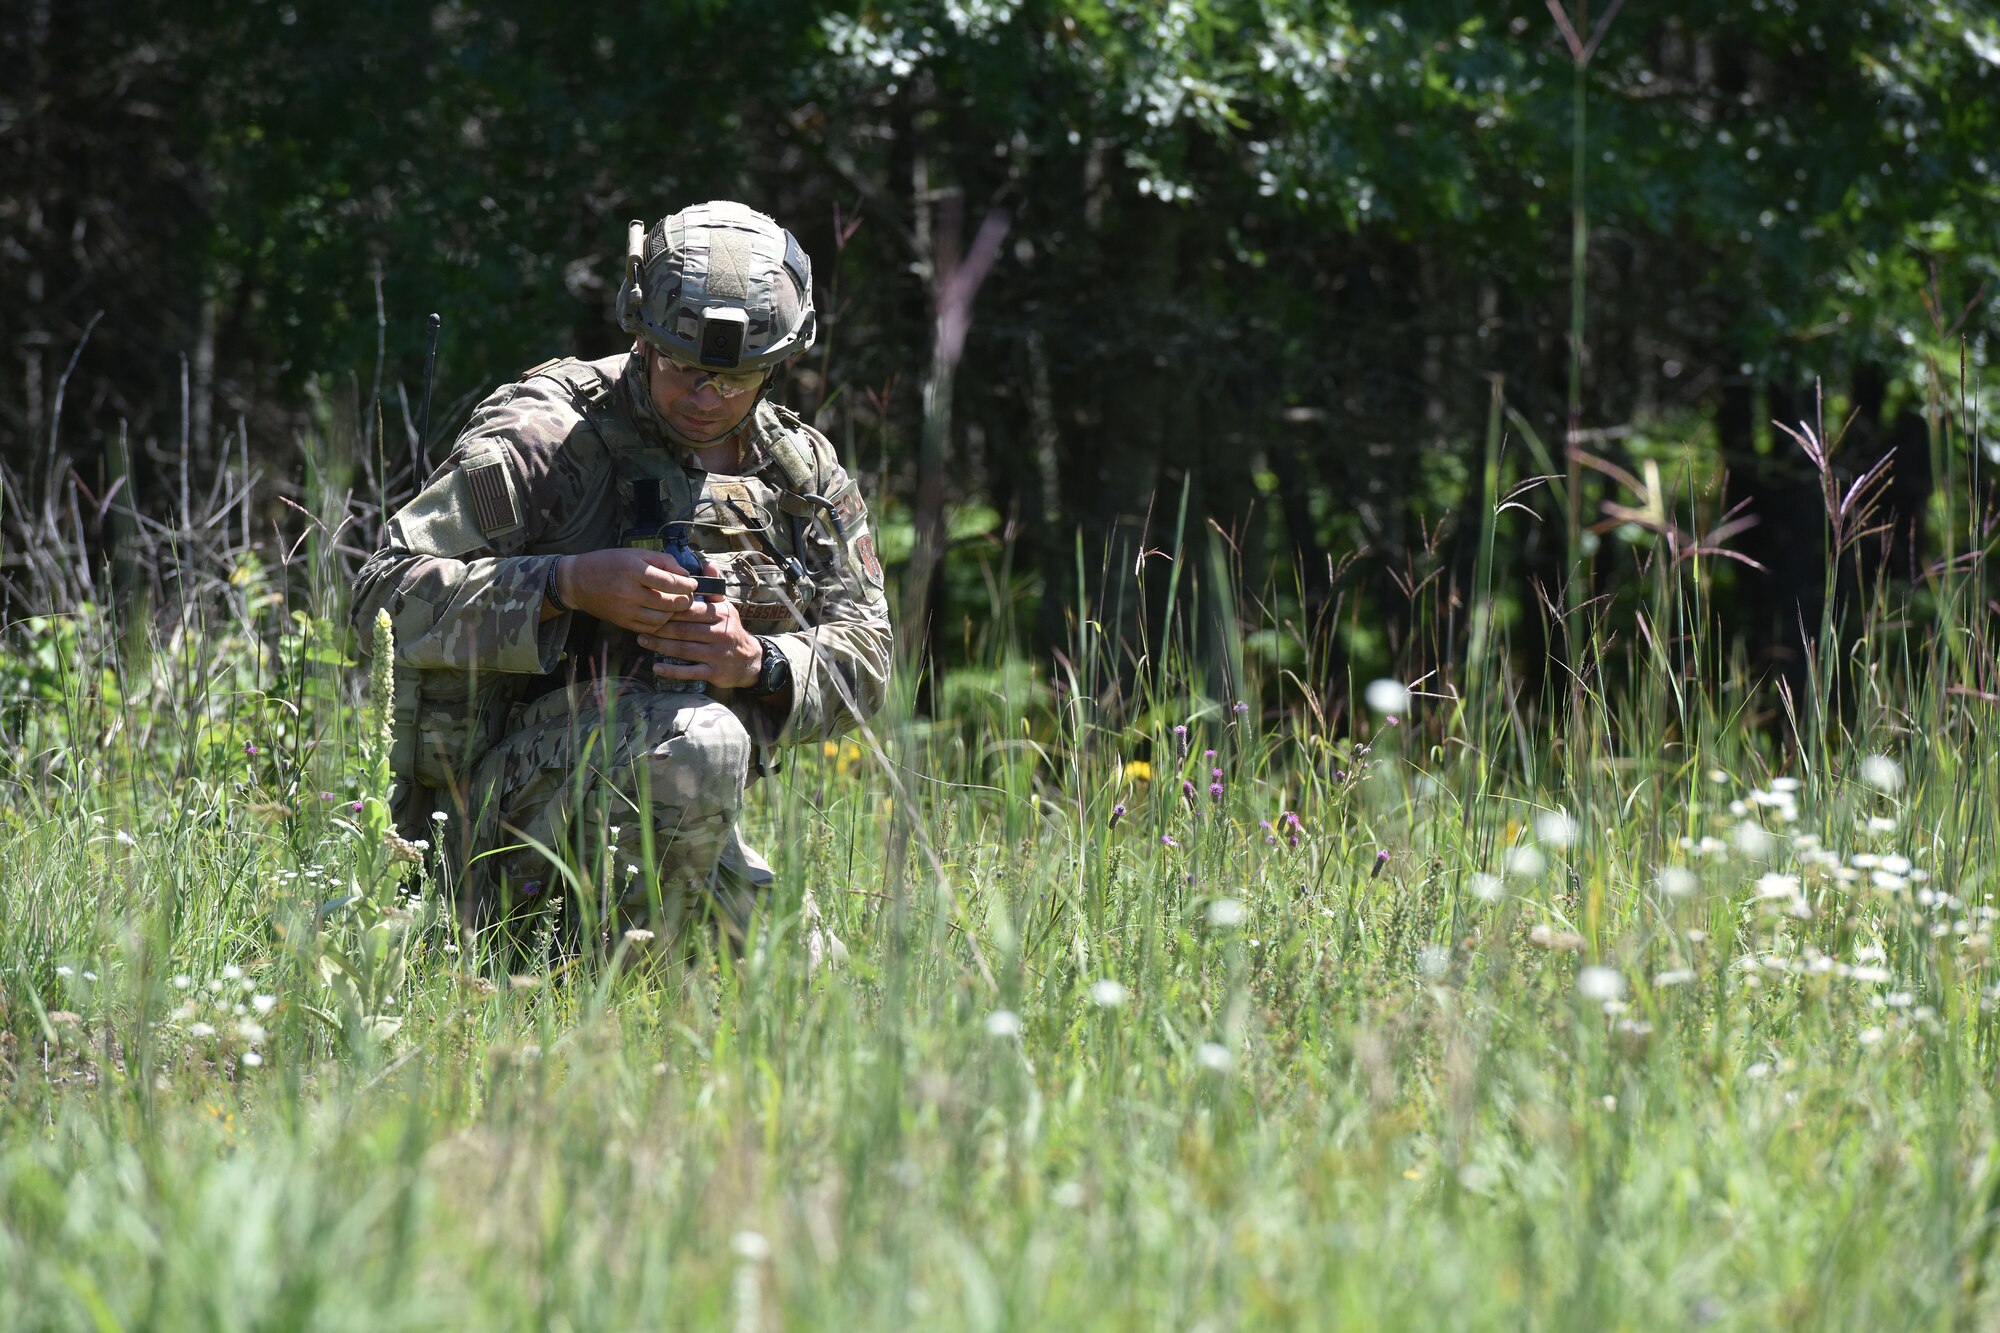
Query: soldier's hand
(710, 636)
(637, 590)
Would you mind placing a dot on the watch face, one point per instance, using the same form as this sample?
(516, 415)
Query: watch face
(776, 670)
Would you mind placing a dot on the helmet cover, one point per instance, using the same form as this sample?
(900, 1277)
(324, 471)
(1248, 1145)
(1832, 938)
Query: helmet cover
(718, 285)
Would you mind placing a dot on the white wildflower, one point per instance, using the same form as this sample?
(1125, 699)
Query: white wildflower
(751, 1245)
(1675, 881)
(1784, 786)
(1524, 862)
(1003, 1023)
(1227, 912)
(1555, 828)
(252, 1059)
(1882, 773)
(1752, 840)
(1674, 976)
(65, 971)
(1433, 960)
(1388, 696)
(250, 1031)
(1880, 824)
(1774, 885)
(1599, 983)
(182, 981)
(1871, 1036)
(1108, 993)
(232, 973)
(1215, 1057)
(263, 1004)
(201, 1030)
(1487, 888)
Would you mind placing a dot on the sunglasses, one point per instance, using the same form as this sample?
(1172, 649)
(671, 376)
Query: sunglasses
(728, 383)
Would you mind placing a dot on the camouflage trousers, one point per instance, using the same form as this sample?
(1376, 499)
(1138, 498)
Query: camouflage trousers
(569, 800)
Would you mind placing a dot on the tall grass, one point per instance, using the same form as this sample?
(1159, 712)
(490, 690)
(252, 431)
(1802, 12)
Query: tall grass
(1159, 1011)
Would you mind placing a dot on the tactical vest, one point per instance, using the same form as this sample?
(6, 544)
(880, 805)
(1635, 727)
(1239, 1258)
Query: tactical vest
(752, 526)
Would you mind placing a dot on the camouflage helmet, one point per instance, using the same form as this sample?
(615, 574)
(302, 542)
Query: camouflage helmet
(720, 285)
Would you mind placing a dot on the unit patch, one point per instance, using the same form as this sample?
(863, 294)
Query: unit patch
(864, 551)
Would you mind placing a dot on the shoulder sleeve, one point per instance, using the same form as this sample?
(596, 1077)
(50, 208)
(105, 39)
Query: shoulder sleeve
(460, 569)
(841, 664)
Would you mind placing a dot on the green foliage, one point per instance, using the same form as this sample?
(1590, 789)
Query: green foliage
(1245, 234)
(1624, 1012)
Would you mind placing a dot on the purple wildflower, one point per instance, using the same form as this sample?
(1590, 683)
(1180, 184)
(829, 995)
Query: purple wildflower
(328, 796)
(1117, 813)
(1215, 773)
(531, 889)
(1381, 862)
(356, 807)
(1209, 755)
(1239, 708)
(1167, 840)
(1187, 791)
(1294, 840)
(250, 749)
(1340, 775)
(1391, 720)
(1215, 792)
(1289, 820)
(1180, 734)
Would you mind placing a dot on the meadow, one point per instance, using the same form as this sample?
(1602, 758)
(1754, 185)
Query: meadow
(1621, 990)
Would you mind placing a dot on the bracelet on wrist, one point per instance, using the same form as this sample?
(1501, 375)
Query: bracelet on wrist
(551, 588)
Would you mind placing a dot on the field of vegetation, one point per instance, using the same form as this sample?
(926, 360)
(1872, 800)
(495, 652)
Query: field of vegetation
(1639, 994)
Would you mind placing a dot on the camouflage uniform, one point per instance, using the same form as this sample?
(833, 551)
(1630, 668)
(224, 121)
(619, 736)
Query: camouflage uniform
(557, 732)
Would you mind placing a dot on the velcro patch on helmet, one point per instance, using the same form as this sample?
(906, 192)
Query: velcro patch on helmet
(493, 507)
(729, 262)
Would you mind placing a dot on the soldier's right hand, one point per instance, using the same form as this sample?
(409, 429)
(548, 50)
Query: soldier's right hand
(638, 590)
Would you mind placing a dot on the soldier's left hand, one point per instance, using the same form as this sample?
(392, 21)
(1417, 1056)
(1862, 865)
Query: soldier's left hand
(712, 638)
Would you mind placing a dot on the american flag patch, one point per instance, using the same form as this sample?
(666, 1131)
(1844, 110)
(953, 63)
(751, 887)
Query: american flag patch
(492, 498)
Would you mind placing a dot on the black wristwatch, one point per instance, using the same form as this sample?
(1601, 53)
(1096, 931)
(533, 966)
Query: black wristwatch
(777, 672)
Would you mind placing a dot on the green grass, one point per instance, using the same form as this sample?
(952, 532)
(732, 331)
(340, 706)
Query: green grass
(1363, 1080)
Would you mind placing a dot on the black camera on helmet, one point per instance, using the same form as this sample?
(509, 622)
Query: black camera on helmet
(720, 339)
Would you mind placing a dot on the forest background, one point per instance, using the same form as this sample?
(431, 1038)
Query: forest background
(1437, 343)
(1273, 256)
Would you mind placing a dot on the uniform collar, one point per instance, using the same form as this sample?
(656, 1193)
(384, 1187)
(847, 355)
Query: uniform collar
(638, 402)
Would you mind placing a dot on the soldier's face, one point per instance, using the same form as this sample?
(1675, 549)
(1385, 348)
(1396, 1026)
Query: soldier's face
(699, 414)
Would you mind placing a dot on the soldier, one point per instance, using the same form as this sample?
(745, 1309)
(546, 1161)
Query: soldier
(574, 683)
